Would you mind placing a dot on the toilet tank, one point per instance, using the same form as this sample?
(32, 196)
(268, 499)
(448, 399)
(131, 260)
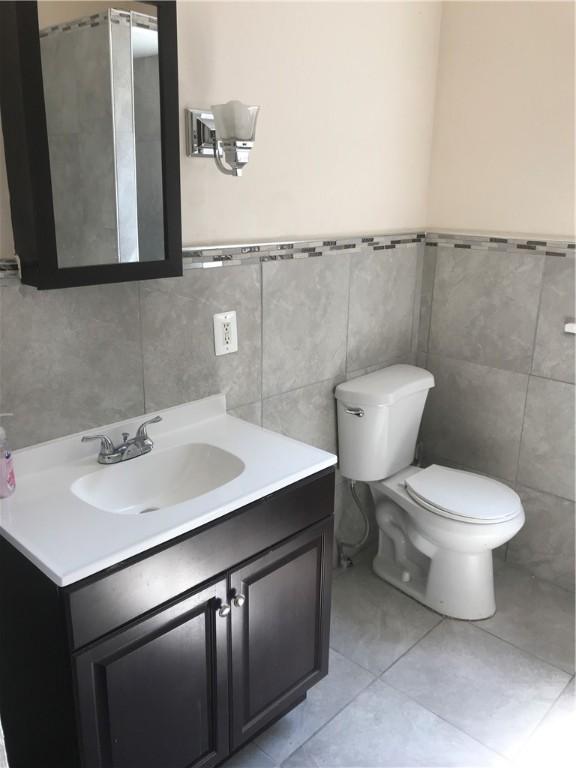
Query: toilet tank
(379, 417)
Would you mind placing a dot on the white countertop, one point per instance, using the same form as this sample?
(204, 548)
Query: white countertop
(68, 539)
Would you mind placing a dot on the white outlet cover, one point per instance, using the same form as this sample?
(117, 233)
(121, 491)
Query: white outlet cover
(225, 333)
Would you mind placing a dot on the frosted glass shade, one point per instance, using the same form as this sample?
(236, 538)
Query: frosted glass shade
(235, 120)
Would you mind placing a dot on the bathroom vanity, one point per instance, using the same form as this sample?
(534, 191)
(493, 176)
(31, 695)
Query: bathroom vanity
(176, 640)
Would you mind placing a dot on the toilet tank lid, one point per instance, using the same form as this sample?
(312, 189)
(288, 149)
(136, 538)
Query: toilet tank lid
(386, 386)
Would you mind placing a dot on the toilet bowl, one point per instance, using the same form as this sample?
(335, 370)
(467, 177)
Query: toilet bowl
(438, 526)
(456, 539)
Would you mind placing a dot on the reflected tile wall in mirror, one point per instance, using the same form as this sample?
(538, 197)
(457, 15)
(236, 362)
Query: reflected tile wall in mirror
(101, 84)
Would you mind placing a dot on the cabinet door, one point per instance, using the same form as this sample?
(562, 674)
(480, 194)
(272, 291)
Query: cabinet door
(155, 695)
(280, 631)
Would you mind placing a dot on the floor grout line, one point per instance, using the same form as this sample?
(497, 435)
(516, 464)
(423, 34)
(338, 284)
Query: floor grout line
(519, 648)
(411, 648)
(342, 708)
(375, 676)
(448, 722)
(545, 715)
(352, 700)
(409, 597)
(509, 758)
(472, 623)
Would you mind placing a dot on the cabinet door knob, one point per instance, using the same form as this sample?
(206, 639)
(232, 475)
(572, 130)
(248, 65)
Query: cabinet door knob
(239, 600)
(224, 610)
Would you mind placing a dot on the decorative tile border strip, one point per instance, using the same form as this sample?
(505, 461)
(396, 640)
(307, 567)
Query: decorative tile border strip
(208, 257)
(116, 17)
(85, 21)
(143, 20)
(254, 253)
(493, 243)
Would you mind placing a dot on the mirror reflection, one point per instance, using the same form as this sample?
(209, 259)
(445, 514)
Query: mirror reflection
(102, 95)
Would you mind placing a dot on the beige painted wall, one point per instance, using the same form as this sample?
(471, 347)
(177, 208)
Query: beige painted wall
(345, 135)
(343, 140)
(503, 151)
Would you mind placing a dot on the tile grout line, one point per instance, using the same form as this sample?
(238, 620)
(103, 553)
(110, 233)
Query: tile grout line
(334, 716)
(570, 678)
(448, 722)
(417, 304)
(336, 378)
(527, 374)
(550, 378)
(521, 567)
(381, 677)
(411, 648)
(141, 334)
(441, 619)
(332, 648)
(348, 314)
(378, 679)
(432, 292)
(518, 648)
(261, 271)
(545, 715)
(297, 389)
(534, 336)
(342, 708)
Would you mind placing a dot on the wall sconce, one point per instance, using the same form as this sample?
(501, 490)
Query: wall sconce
(226, 134)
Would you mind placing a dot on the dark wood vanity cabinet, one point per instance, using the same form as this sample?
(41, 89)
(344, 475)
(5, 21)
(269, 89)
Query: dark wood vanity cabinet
(170, 660)
(278, 636)
(156, 693)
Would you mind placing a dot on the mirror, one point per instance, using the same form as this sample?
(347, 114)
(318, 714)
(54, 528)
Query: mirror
(102, 97)
(89, 106)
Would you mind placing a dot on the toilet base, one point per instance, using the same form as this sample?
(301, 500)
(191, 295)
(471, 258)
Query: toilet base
(458, 585)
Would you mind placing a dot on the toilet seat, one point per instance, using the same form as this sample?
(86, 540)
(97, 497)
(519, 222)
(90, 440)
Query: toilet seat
(463, 496)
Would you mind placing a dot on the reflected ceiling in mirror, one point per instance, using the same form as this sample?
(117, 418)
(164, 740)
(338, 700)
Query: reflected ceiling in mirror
(101, 89)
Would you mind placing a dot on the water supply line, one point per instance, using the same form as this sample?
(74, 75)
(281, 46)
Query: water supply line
(344, 561)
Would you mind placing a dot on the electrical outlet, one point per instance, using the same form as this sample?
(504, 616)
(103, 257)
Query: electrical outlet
(225, 333)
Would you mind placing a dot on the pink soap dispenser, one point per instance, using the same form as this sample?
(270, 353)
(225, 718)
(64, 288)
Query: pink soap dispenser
(7, 477)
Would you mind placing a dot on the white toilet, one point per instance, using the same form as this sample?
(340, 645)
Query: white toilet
(438, 526)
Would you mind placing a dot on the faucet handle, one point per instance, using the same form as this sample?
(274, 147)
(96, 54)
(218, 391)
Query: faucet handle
(141, 433)
(106, 445)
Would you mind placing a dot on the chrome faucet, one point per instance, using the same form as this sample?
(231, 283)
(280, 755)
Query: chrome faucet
(129, 448)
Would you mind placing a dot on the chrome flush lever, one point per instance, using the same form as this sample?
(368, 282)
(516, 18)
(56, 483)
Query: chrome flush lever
(355, 412)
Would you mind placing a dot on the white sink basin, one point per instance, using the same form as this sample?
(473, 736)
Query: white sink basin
(159, 479)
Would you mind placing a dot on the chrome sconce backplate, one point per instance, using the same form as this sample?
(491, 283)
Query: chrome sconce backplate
(200, 133)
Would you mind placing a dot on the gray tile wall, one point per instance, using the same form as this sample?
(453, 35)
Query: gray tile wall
(491, 331)
(82, 357)
(77, 358)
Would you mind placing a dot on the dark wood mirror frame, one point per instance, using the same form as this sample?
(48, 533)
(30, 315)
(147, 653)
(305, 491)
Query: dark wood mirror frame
(28, 162)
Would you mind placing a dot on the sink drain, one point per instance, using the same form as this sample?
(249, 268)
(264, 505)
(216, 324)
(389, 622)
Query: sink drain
(148, 509)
